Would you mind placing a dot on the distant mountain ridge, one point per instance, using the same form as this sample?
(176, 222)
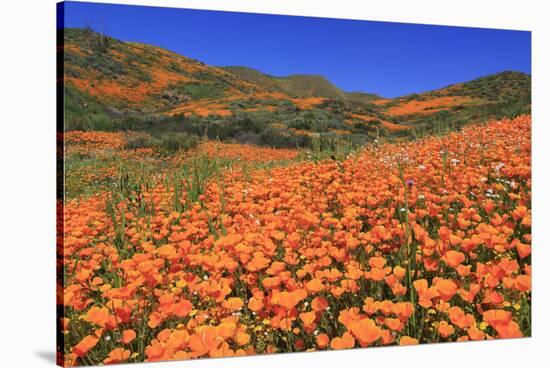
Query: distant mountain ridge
(299, 85)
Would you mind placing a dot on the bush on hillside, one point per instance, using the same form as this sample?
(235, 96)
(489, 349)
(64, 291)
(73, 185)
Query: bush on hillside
(172, 142)
(141, 141)
(169, 141)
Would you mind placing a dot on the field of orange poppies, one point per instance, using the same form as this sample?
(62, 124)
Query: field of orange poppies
(267, 251)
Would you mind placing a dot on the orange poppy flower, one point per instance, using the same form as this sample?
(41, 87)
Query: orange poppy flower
(463, 271)
(508, 330)
(182, 308)
(154, 352)
(444, 233)
(475, 333)
(155, 319)
(166, 251)
(386, 307)
(469, 295)
(496, 317)
(446, 289)
(365, 331)
(314, 286)
(459, 318)
(128, 336)
(226, 329)
(242, 338)
(229, 240)
(394, 324)
(425, 294)
(98, 315)
(407, 340)
(255, 304)
(509, 266)
(345, 342)
(519, 213)
(233, 304)
(85, 345)
(277, 235)
(523, 283)
(308, 318)
(319, 304)
(117, 355)
(444, 329)
(524, 250)
(399, 272)
(177, 339)
(288, 300)
(204, 340)
(322, 340)
(377, 262)
(453, 258)
(403, 310)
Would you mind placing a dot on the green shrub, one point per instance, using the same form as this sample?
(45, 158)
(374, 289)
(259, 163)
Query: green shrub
(172, 142)
(132, 58)
(141, 141)
(169, 142)
(106, 65)
(201, 90)
(98, 122)
(143, 75)
(279, 138)
(248, 138)
(301, 124)
(176, 67)
(368, 128)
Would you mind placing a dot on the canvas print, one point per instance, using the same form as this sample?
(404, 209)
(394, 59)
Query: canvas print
(236, 184)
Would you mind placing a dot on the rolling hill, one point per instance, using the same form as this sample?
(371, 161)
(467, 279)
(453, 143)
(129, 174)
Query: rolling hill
(504, 87)
(298, 85)
(115, 85)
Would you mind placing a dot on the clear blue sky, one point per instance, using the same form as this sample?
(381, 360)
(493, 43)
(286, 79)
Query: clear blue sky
(390, 59)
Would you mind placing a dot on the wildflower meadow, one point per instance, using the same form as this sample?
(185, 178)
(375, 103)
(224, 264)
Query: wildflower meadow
(231, 249)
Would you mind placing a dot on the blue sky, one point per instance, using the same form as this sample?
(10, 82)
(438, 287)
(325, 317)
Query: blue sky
(390, 59)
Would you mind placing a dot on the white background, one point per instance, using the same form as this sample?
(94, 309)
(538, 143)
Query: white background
(27, 182)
